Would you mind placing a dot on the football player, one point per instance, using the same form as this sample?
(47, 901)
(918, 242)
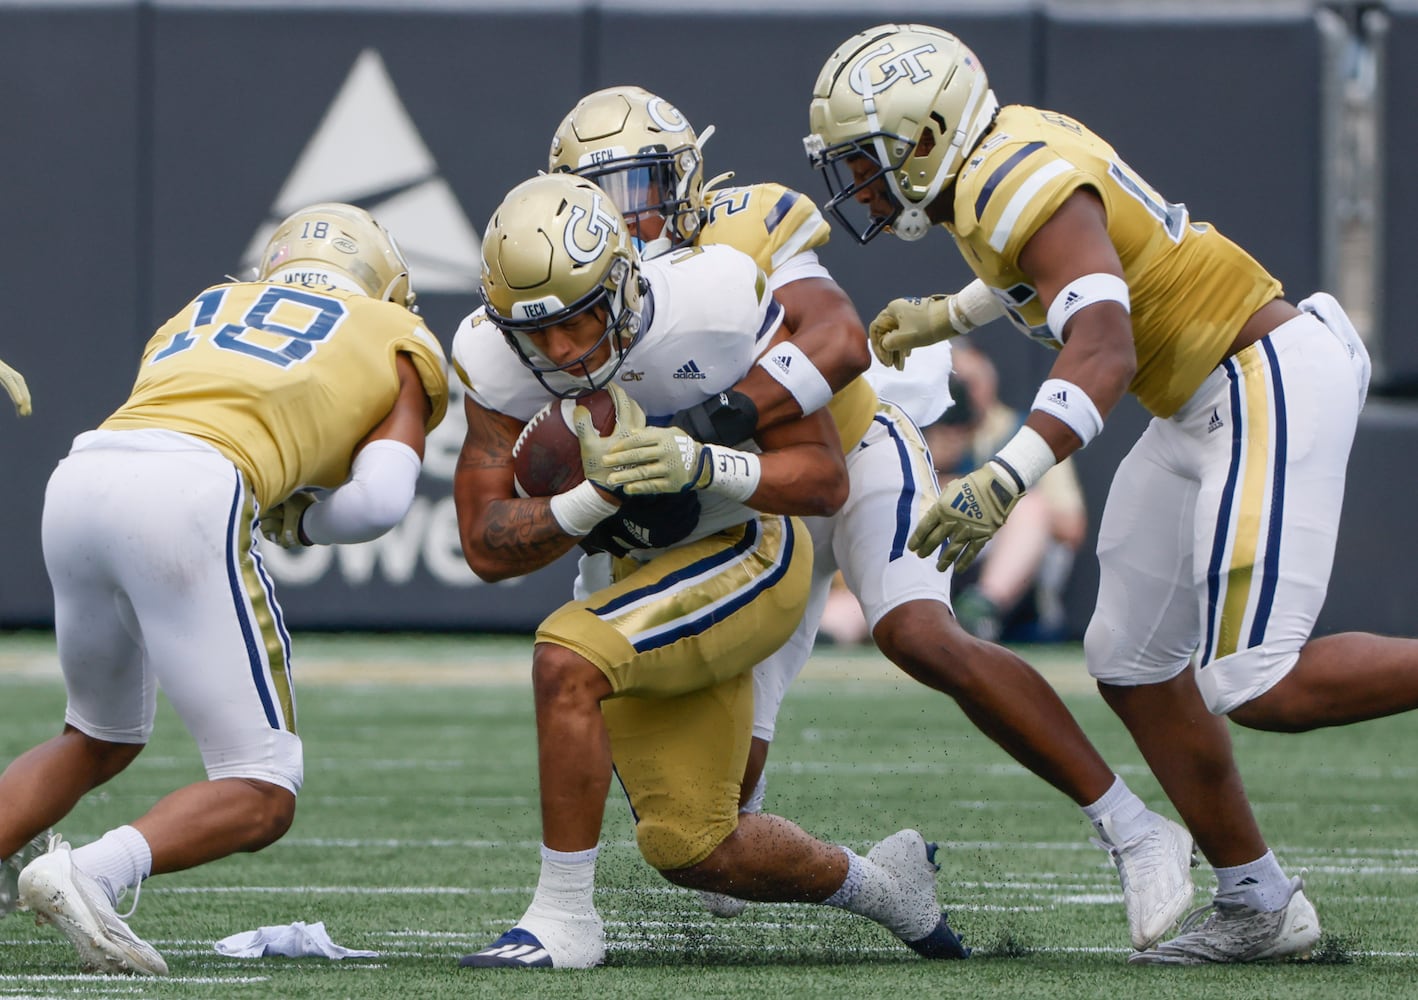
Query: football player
(647, 152)
(14, 384)
(651, 666)
(315, 375)
(1219, 529)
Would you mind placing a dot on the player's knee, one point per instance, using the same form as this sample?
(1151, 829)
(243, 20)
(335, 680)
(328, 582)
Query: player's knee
(270, 811)
(105, 758)
(672, 848)
(563, 679)
(924, 640)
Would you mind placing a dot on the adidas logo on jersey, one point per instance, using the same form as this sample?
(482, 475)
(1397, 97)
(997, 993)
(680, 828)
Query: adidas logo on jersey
(690, 370)
(1215, 423)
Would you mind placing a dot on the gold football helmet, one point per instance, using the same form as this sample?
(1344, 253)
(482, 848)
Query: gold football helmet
(557, 247)
(643, 153)
(879, 95)
(336, 245)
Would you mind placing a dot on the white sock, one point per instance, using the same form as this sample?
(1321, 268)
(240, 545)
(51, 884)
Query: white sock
(1261, 885)
(1129, 815)
(755, 800)
(118, 860)
(567, 883)
(870, 892)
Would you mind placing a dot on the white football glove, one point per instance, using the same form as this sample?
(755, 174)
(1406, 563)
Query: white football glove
(906, 324)
(14, 384)
(629, 418)
(281, 524)
(660, 460)
(967, 514)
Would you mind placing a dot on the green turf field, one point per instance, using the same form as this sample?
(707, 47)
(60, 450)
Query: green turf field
(417, 832)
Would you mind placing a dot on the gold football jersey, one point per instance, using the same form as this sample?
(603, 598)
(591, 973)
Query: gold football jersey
(772, 224)
(1191, 288)
(284, 381)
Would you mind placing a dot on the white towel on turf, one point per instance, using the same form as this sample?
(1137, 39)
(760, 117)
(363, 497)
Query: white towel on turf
(297, 940)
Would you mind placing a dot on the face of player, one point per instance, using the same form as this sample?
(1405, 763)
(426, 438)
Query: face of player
(581, 338)
(639, 193)
(875, 195)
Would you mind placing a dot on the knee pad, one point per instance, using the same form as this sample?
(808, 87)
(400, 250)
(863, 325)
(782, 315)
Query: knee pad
(667, 845)
(276, 759)
(1111, 660)
(1229, 682)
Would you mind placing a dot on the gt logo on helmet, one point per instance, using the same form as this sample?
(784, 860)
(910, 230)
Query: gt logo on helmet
(600, 225)
(665, 115)
(906, 65)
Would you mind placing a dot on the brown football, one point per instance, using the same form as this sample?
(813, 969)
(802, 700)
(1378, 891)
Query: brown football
(546, 457)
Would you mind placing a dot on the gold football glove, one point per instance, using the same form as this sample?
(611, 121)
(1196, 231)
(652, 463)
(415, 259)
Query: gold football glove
(629, 418)
(967, 514)
(906, 324)
(660, 460)
(281, 524)
(14, 384)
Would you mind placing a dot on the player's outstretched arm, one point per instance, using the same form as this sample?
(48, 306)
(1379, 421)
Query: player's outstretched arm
(503, 535)
(14, 384)
(908, 323)
(380, 488)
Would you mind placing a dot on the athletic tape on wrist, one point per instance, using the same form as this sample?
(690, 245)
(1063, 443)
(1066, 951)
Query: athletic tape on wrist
(1027, 456)
(581, 508)
(976, 306)
(794, 371)
(1080, 293)
(735, 473)
(1068, 402)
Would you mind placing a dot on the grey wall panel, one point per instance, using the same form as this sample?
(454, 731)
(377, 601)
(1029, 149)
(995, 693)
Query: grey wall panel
(69, 190)
(254, 107)
(1399, 342)
(753, 80)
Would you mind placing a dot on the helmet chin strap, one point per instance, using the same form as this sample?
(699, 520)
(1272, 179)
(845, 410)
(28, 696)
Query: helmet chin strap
(912, 224)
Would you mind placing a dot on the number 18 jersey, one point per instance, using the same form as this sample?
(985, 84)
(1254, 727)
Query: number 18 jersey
(283, 381)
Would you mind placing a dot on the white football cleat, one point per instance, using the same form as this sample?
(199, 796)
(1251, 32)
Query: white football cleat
(544, 939)
(10, 870)
(916, 916)
(1155, 871)
(721, 905)
(1236, 932)
(65, 896)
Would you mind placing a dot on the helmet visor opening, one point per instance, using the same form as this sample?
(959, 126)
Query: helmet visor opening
(855, 167)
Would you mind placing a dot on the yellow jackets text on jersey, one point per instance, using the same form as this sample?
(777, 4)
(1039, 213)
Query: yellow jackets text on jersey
(773, 224)
(284, 381)
(1191, 288)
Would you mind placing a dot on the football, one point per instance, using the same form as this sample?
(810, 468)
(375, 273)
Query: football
(546, 457)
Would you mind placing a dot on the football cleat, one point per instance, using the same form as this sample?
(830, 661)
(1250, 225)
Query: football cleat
(1235, 932)
(10, 870)
(721, 905)
(1155, 871)
(918, 919)
(63, 895)
(543, 941)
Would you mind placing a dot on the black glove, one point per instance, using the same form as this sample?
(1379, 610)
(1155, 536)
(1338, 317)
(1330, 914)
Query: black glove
(730, 418)
(645, 522)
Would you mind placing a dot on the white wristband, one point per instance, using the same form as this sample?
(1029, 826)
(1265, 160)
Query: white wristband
(581, 508)
(1080, 293)
(794, 371)
(974, 305)
(1066, 401)
(1026, 456)
(735, 473)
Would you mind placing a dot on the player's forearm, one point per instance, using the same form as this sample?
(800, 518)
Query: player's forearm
(514, 537)
(807, 480)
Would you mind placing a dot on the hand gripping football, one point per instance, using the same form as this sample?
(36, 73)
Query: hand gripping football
(546, 457)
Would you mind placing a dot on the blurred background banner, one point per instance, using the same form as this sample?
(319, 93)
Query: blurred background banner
(151, 146)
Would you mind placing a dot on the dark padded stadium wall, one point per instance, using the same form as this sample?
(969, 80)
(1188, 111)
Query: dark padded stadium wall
(71, 255)
(1399, 345)
(760, 116)
(155, 140)
(1220, 113)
